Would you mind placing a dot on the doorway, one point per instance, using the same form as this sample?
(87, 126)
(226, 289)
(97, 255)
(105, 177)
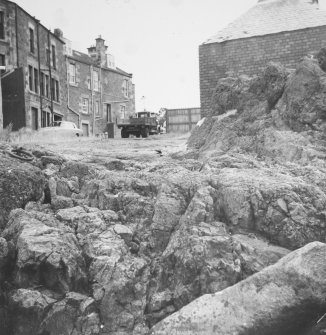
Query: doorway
(85, 128)
(34, 118)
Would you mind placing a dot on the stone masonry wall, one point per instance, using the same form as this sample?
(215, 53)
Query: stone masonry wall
(112, 83)
(248, 56)
(110, 92)
(8, 44)
(38, 60)
(81, 90)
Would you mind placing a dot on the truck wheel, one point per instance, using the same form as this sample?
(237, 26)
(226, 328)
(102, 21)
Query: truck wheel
(124, 133)
(138, 135)
(145, 133)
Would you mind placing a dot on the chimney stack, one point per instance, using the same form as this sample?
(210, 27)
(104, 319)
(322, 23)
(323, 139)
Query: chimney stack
(98, 52)
(58, 32)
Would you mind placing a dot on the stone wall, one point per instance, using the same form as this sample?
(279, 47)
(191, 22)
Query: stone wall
(44, 40)
(113, 94)
(250, 55)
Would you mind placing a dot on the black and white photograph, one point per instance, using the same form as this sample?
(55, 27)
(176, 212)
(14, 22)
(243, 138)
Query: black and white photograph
(163, 167)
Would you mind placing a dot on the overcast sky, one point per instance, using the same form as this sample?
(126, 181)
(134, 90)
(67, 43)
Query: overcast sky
(155, 40)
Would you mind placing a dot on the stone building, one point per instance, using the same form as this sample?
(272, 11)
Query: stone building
(34, 89)
(45, 80)
(273, 30)
(98, 91)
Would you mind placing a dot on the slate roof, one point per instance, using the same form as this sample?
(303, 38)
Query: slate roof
(273, 16)
(86, 59)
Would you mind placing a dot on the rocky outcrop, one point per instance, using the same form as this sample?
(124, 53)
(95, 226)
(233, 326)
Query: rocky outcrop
(278, 115)
(138, 248)
(281, 299)
(116, 245)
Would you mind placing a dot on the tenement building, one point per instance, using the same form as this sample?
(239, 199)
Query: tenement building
(273, 30)
(98, 91)
(45, 80)
(34, 90)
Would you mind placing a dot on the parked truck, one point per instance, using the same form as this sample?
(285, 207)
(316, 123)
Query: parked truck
(142, 124)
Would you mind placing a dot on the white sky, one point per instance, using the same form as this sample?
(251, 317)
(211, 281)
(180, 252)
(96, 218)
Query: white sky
(155, 40)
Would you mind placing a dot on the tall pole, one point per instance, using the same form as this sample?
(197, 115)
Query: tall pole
(144, 102)
(1, 112)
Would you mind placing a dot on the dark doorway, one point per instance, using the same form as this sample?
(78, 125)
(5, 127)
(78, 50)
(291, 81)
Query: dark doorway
(13, 98)
(108, 113)
(85, 128)
(34, 119)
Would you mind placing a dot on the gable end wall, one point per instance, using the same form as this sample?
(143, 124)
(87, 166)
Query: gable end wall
(250, 55)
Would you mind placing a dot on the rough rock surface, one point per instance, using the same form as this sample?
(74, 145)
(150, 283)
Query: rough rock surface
(19, 184)
(280, 299)
(114, 243)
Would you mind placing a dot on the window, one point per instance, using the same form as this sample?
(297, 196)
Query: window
(125, 88)
(35, 80)
(30, 77)
(47, 57)
(54, 63)
(2, 25)
(31, 40)
(85, 106)
(72, 73)
(46, 119)
(97, 108)
(2, 62)
(52, 89)
(42, 81)
(47, 82)
(89, 83)
(57, 91)
(96, 81)
(122, 111)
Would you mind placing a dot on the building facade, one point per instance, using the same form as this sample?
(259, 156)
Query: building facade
(45, 80)
(98, 91)
(273, 30)
(34, 89)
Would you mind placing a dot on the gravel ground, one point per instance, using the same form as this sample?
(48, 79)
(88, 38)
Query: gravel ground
(92, 149)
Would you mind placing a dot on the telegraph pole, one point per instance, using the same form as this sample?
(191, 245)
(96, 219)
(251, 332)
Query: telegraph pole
(1, 112)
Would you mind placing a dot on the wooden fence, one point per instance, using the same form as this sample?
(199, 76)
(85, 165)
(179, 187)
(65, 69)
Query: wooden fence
(181, 120)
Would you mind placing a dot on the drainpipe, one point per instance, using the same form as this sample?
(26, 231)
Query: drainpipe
(101, 95)
(16, 27)
(50, 73)
(39, 67)
(92, 99)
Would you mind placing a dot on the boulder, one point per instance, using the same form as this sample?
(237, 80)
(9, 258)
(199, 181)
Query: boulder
(76, 314)
(285, 209)
(281, 299)
(48, 253)
(119, 279)
(202, 257)
(27, 309)
(303, 104)
(19, 183)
